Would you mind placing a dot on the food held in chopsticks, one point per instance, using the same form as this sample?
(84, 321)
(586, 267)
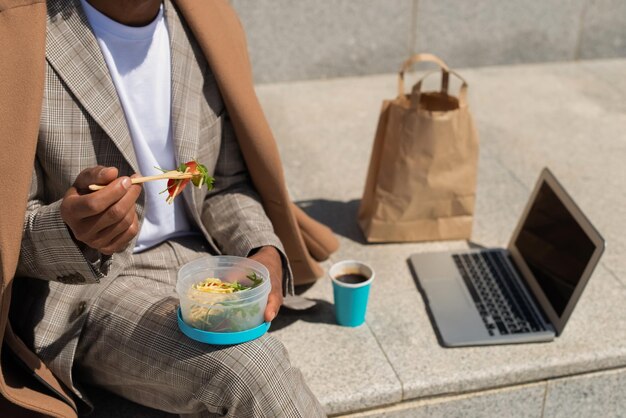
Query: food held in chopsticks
(177, 179)
(199, 176)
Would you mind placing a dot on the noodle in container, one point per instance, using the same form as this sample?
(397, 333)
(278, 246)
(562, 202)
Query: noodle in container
(223, 310)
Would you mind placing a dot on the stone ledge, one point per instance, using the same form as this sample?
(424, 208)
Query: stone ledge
(568, 116)
(587, 395)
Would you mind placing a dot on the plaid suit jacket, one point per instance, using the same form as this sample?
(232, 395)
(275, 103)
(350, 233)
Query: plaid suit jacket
(83, 125)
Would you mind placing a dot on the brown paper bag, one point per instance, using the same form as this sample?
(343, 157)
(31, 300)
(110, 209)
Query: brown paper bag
(421, 182)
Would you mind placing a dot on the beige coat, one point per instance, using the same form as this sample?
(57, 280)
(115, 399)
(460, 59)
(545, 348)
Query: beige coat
(219, 33)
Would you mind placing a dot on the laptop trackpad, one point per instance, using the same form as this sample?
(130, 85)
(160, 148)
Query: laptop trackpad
(454, 312)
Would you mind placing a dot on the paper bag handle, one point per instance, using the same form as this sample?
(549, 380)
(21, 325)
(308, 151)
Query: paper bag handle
(423, 58)
(416, 92)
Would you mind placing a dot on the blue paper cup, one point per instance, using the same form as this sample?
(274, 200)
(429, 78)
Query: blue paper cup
(351, 298)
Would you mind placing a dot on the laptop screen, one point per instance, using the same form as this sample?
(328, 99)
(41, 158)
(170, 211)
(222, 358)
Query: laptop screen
(555, 247)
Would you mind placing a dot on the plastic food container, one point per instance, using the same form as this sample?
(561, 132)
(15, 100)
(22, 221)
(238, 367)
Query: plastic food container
(222, 312)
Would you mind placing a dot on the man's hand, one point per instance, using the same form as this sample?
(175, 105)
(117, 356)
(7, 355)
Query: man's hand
(104, 220)
(270, 258)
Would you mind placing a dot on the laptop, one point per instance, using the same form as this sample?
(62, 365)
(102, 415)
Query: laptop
(525, 293)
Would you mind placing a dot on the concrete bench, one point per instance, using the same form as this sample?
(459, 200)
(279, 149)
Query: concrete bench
(570, 117)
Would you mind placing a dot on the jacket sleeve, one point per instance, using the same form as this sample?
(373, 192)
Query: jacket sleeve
(232, 212)
(48, 249)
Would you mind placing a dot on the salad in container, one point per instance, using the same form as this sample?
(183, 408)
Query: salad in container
(223, 294)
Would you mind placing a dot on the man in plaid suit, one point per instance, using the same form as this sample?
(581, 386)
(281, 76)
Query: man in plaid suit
(118, 330)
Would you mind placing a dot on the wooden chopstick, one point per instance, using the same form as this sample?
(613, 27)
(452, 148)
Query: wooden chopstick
(174, 174)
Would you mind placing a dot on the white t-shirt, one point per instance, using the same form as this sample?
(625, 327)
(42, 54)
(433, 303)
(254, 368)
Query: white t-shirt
(138, 59)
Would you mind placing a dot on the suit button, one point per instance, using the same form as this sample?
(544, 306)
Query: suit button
(78, 311)
(81, 307)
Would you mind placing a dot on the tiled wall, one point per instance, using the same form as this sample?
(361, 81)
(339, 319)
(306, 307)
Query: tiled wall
(312, 39)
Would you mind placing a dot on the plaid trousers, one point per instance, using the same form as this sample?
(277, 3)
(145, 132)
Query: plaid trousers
(131, 345)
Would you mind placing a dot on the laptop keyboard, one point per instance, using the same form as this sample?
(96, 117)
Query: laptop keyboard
(500, 303)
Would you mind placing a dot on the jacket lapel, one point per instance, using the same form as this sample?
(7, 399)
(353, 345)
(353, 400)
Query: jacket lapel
(187, 88)
(74, 53)
(185, 119)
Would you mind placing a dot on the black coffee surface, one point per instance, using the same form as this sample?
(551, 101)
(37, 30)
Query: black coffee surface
(351, 278)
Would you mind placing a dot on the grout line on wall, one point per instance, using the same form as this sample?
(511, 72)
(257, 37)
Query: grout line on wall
(581, 27)
(413, 34)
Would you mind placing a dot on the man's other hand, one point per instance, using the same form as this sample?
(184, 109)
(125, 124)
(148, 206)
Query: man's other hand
(104, 220)
(270, 258)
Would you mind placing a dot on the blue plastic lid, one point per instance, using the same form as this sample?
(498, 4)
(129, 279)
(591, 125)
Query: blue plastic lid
(221, 338)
